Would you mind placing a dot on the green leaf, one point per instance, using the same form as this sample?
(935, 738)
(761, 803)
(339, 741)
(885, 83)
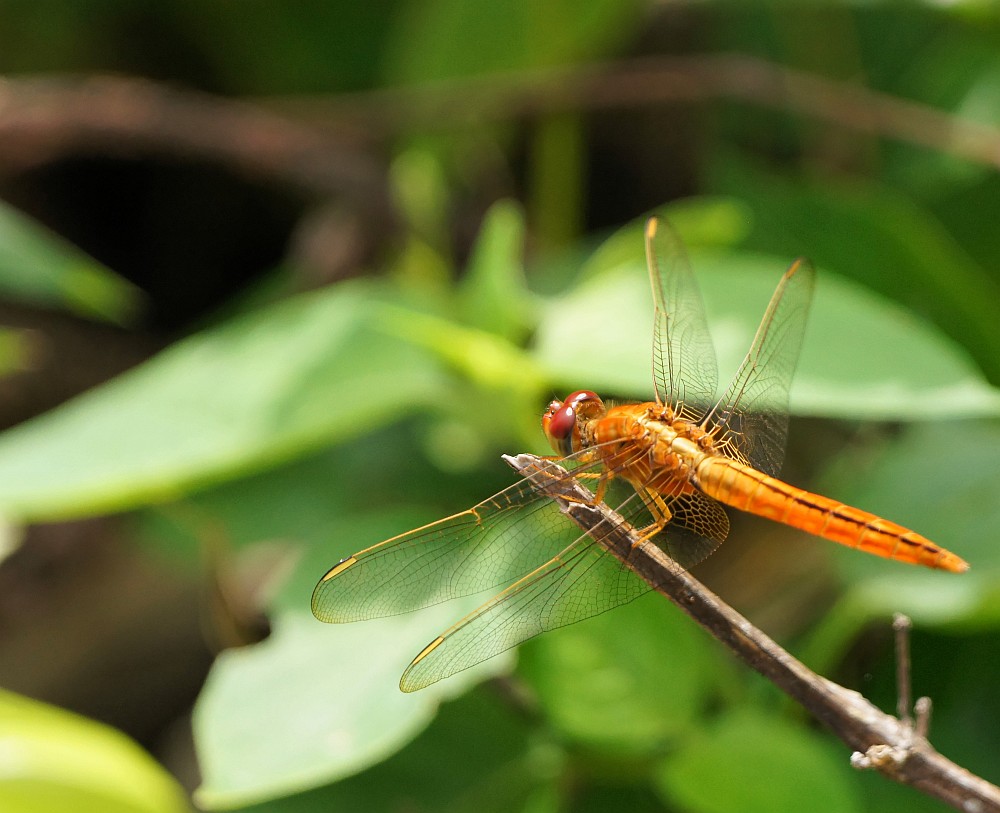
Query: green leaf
(16, 348)
(594, 680)
(493, 293)
(703, 221)
(444, 39)
(316, 703)
(489, 360)
(473, 758)
(754, 763)
(342, 678)
(940, 479)
(54, 760)
(879, 237)
(885, 362)
(253, 392)
(40, 268)
(863, 356)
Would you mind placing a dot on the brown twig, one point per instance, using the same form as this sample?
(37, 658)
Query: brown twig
(44, 119)
(880, 741)
(648, 81)
(41, 119)
(901, 625)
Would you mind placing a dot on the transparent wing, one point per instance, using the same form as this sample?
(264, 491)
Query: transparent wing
(583, 580)
(698, 524)
(753, 413)
(685, 372)
(488, 545)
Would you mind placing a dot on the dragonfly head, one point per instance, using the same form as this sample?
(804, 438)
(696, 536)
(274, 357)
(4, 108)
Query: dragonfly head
(562, 420)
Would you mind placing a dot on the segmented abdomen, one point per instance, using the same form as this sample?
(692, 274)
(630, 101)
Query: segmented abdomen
(747, 489)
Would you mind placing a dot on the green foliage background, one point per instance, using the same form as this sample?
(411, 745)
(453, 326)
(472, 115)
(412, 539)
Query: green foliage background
(334, 418)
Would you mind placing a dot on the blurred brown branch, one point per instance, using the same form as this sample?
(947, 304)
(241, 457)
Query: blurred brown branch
(880, 741)
(648, 81)
(43, 119)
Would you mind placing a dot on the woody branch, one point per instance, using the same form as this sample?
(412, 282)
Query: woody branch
(880, 741)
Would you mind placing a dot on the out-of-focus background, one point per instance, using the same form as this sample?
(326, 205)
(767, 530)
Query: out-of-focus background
(280, 280)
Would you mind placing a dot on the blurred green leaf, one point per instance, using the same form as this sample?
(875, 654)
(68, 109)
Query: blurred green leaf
(444, 39)
(54, 760)
(475, 757)
(489, 360)
(866, 357)
(39, 268)
(754, 763)
(879, 237)
(16, 349)
(593, 679)
(316, 702)
(339, 681)
(421, 191)
(940, 479)
(305, 501)
(262, 388)
(702, 222)
(863, 357)
(493, 293)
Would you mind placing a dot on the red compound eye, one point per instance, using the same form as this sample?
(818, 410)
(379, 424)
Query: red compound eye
(560, 420)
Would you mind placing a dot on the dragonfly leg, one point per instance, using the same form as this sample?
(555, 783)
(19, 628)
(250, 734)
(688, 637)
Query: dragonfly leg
(602, 484)
(602, 478)
(660, 511)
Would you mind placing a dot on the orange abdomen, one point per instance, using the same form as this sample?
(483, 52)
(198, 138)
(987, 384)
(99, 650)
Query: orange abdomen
(747, 489)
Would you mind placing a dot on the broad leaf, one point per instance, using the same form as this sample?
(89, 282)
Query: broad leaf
(234, 399)
(863, 356)
(40, 268)
(54, 760)
(758, 764)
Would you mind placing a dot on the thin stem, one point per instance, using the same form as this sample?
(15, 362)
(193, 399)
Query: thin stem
(902, 625)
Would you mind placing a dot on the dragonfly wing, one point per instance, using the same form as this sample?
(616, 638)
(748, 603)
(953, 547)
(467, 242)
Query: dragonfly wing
(753, 413)
(698, 525)
(488, 545)
(685, 371)
(582, 581)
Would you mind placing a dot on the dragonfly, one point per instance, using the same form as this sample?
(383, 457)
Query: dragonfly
(668, 468)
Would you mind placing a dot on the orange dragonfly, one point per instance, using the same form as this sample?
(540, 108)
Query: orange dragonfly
(667, 467)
